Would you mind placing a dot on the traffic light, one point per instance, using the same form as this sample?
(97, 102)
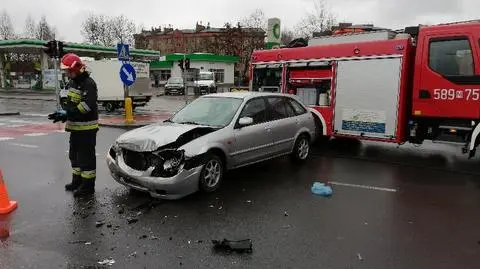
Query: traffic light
(180, 64)
(51, 48)
(61, 50)
(187, 63)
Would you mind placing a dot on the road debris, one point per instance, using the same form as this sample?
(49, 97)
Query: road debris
(359, 257)
(285, 213)
(99, 224)
(78, 242)
(133, 254)
(121, 211)
(143, 236)
(248, 201)
(88, 243)
(240, 246)
(132, 220)
(321, 189)
(211, 206)
(108, 262)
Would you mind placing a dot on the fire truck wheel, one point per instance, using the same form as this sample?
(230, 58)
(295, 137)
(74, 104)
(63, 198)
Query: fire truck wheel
(301, 150)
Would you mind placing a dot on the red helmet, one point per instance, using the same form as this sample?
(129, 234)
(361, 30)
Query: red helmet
(71, 62)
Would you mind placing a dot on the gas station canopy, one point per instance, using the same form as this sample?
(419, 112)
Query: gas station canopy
(36, 46)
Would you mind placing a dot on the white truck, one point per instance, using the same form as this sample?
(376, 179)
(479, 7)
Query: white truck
(106, 74)
(205, 83)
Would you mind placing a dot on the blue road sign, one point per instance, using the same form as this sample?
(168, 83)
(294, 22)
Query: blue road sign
(128, 75)
(123, 52)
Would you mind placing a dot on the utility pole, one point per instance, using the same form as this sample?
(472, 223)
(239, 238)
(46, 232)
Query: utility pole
(184, 79)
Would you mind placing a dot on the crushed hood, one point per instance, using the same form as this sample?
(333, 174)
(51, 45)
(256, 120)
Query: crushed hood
(151, 137)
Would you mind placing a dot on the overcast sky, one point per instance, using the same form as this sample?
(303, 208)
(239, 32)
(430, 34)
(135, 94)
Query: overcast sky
(67, 15)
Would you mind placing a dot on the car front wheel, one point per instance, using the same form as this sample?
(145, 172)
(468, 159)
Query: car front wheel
(301, 150)
(212, 174)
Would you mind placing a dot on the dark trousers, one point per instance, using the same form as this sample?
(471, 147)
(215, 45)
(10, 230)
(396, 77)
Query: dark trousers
(82, 154)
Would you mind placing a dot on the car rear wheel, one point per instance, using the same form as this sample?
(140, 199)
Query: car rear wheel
(212, 174)
(301, 150)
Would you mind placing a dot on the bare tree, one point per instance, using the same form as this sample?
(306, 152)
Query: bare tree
(6, 26)
(123, 29)
(30, 28)
(319, 20)
(256, 19)
(107, 31)
(287, 36)
(44, 30)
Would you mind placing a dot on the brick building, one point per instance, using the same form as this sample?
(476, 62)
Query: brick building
(229, 40)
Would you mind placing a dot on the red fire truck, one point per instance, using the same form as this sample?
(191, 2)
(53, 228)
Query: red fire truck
(421, 83)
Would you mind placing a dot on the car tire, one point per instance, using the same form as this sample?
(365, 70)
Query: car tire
(301, 149)
(110, 107)
(212, 174)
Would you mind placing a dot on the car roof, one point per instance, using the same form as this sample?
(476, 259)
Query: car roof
(245, 94)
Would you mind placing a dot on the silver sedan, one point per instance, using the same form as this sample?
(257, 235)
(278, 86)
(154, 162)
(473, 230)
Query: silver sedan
(192, 150)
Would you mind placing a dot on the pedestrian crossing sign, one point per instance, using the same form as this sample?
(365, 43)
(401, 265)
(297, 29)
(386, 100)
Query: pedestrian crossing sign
(123, 52)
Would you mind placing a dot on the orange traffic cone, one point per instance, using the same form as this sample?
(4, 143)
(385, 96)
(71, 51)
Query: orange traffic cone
(6, 206)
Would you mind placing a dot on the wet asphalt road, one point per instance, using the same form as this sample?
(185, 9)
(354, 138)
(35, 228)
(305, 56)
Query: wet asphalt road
(423, 214)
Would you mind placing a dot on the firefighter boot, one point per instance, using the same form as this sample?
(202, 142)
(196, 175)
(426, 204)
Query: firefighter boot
(76, 182)
(86, 188)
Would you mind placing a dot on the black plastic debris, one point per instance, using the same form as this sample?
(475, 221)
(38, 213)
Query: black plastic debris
(109, 225)
(99, 223)
(132, 220)
(143, 236)
(78, 242)
(121, 211)
(239, 246)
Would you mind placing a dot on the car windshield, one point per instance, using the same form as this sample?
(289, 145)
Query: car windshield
(205, 76)
(211, 111)
(175, 80)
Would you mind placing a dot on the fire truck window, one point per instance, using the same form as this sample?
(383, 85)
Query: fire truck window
(278, 108)
(299, 110)
(266, 77)
(451, 57)
(255, 109)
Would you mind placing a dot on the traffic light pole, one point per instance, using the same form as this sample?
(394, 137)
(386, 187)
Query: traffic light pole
(184, 80)
(57, 86)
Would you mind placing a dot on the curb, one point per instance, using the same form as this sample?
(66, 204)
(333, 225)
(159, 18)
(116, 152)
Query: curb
(9, 113)
(26, 98)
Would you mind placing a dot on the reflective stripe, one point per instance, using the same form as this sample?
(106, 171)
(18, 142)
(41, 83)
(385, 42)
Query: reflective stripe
(81, 126)
(83, 107)
(74, 96)
(76, 171)
(89, 174)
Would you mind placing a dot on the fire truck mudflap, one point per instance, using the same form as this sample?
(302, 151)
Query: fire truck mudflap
(367, 97)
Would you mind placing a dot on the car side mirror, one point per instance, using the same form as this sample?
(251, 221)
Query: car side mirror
(245, 121)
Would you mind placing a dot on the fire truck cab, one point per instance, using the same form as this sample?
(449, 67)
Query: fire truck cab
(422, 83)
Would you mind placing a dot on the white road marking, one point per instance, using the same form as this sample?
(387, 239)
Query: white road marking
(35, 134)
(6, 138)
(35, 115)
(23, 145)
(2, 123)
(362, 186)
(15, 125)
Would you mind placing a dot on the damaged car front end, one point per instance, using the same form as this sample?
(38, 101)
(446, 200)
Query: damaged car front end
(167, 159)
(163, 171)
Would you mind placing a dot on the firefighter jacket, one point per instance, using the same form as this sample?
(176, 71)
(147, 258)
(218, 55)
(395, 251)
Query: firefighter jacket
(80, 103)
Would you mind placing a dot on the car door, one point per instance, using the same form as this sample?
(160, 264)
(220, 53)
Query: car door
(284, 125)
(253, 142)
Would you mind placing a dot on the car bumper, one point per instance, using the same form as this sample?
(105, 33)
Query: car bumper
(184, 183)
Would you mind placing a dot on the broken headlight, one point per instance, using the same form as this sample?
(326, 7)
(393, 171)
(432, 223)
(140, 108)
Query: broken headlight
(167, 163)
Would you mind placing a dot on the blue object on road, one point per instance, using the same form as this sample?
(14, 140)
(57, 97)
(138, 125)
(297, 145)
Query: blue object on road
(321, 189)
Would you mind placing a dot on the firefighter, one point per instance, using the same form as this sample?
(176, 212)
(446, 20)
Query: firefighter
(80, 112)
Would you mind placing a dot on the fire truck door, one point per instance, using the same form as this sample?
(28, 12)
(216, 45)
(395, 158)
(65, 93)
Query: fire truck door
(449, 85)
(366, 100)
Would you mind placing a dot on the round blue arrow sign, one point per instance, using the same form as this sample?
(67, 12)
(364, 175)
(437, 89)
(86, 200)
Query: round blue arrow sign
(128, 74)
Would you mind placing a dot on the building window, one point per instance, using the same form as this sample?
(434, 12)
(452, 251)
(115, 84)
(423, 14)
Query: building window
(164, 74)
(219, 75)
(452, 57)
